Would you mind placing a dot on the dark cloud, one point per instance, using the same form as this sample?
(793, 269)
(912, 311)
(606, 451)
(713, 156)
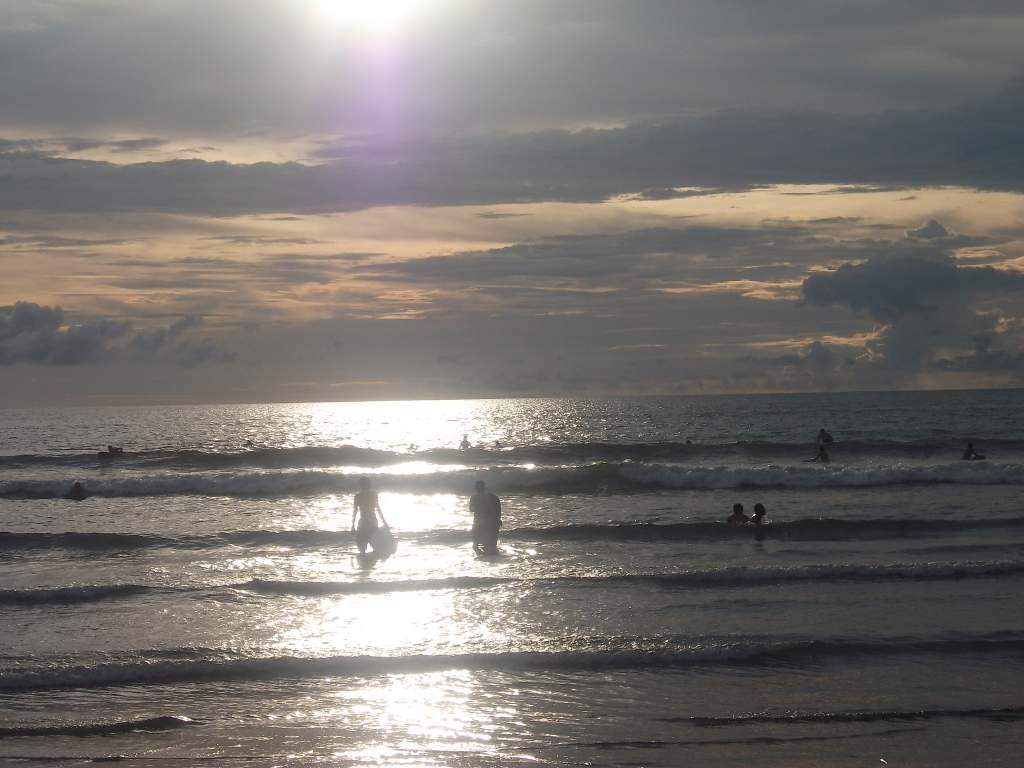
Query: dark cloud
(222, 67)
(41, 242)
(202, 352)
(656, 253)
(930, 230)
(137, 145)
(908, 283)
(30, 333)
(150, 342)
(932, 313)
(40, 335)
(980, 144)
(261, 240)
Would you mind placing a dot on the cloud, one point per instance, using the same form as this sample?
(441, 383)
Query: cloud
(205, 351)
(930, 230)
(979, 144)
(932, 312)
(263, 63)
(907, 283)
(149, 342)
(30, 333)
(658, 253)
(39, 335)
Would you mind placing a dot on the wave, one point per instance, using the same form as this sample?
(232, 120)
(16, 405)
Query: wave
(591, 478)
(739, 576)
(82, 541)
(548, 453)
(228, 666)
(862, 716)
(807, 529)
(74, 594)
(723, 578)
(796, 530)
(164, 723)
(751, 740)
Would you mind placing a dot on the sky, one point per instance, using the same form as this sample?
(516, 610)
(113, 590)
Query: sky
(319, 200)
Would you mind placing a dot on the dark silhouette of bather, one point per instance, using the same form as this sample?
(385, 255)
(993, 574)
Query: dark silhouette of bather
(972, 455)
(737, 517)
(77, 492)
(486, 509)
(465, 444)
(366, 506)
(111, 452)
(759, 513)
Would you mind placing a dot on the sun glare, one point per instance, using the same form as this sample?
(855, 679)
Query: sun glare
(369, 16)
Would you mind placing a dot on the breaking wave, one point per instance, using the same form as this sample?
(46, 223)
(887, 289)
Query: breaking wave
(228, 666)
(739, 576)
(589, 478)
(164, 723)
(548, 453)
(813, 529)
(866, 716)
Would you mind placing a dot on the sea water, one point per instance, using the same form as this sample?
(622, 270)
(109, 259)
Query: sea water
(205, 605)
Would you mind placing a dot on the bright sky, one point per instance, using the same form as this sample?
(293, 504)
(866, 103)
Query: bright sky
(330, 199)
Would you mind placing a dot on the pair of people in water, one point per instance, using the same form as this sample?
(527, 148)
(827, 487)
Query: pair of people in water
(484, 505)
(739, 518)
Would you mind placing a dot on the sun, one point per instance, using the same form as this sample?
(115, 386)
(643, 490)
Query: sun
(368, 16)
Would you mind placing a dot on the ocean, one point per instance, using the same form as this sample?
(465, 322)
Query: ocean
(204, 603)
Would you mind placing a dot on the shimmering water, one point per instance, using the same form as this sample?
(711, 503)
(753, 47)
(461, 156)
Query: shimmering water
(205, 600)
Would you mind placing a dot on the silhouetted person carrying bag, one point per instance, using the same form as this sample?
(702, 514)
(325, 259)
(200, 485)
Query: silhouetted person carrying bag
(486, 509)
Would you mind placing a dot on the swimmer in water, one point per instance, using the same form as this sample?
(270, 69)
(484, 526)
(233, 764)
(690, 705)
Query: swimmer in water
(759, 513)
(737, 517)
(970, 454)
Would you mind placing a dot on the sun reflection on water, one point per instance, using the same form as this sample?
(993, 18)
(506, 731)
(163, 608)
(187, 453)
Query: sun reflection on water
(437, 712)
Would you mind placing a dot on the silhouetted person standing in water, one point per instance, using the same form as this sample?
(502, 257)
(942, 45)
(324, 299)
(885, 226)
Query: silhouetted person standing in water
(737, 517)
(486, 509)
(465, 445)
(77, 492)
(759, 513)
(970, 454)
(367, 507)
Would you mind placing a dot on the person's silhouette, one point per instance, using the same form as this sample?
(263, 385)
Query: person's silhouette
(486, 509)
(737, 517)
(366, 505)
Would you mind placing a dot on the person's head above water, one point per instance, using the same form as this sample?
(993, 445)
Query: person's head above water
(759, 510)
(737, 509)
(364, 483)
(480, 486)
